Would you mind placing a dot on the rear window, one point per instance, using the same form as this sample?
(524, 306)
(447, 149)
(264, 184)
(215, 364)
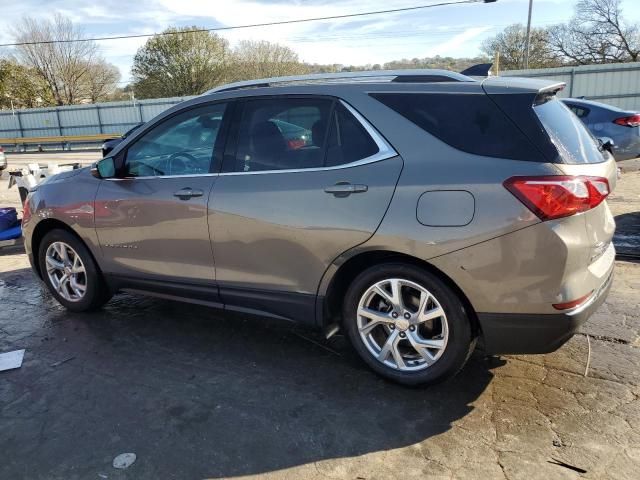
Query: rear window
(572, 140)
(468, 122)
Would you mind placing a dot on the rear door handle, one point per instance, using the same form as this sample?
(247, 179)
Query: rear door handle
(344, 189)
(187, 193)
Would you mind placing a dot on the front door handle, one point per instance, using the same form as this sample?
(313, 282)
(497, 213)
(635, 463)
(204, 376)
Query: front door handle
(344, 189)
(187, 193)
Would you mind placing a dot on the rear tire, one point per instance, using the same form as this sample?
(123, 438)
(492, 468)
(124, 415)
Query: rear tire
(70, 273)
(420, 335)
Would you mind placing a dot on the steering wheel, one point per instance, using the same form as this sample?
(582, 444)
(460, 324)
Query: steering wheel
(183, 163)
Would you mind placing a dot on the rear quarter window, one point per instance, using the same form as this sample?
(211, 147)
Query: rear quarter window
(574, 142)
(579, 111)
(468, 122)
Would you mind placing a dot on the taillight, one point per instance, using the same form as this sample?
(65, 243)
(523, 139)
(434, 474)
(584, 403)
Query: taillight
(572, 303)
(1, 150)
(26, 212)
(630, 121)
(558, 196)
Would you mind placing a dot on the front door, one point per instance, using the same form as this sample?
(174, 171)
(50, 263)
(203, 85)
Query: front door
(305, 182)
(152, 220)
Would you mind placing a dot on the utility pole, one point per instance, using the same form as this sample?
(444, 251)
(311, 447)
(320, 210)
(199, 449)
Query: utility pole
(527, 44)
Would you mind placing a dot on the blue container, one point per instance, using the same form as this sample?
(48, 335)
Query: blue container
(8, 218)
(11, 233)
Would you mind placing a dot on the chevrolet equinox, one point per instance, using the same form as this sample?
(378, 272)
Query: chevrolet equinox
(418, 211)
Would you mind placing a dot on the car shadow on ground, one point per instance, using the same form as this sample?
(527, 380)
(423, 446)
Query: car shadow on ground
(196, 392)
(627, 236)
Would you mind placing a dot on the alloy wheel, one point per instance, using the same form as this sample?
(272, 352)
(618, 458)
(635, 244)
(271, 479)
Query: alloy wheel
(66, 271)
(402, 324)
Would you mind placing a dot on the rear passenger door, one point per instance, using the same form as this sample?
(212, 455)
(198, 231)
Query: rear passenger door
(306, 179)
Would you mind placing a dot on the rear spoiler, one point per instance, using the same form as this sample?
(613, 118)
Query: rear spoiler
(534, 86)
(553, 88)
(548, 93)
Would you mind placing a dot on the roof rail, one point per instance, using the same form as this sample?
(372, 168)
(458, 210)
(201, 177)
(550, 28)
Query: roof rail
(374, 76)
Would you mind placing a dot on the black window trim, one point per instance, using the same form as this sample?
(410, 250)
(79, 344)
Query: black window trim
(385, 150)
(215, 163)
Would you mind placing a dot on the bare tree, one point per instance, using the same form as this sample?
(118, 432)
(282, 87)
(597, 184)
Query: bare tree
(597, 33)
(259, 59)
(52, 50)
(511, 43)
(101, 80)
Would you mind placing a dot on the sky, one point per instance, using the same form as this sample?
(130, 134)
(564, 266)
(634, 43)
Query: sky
(456, 30)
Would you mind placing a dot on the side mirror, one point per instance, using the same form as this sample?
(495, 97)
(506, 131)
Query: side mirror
(104, 168)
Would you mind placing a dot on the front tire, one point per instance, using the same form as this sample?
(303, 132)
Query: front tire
(70, 273)
(407, 324)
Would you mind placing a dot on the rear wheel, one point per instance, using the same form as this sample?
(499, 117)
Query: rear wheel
(70, 273)
(406, 324)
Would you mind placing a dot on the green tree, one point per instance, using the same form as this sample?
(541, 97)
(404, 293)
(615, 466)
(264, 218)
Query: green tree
(179, 62)
(445, 63)
(21, 87)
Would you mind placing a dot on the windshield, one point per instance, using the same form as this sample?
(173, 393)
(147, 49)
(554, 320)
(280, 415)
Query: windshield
(567, 132)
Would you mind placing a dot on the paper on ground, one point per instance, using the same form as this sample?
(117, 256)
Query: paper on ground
(11, 360)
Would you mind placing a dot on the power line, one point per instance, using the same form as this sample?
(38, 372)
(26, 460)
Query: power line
(383, 34)
(254, 25)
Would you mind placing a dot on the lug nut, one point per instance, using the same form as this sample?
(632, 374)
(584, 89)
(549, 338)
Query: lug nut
(412, 328)
(402, 334)
(394, 314)
(392, 327)
(407, 316)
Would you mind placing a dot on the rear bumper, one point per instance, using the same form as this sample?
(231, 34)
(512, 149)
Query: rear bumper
(529, 333)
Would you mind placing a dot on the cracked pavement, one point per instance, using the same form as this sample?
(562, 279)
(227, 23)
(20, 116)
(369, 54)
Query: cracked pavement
(198, 394)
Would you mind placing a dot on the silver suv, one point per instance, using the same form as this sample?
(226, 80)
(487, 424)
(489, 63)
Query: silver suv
(418, 211)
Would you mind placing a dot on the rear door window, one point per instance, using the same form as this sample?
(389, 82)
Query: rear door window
(281, 134)
(567, 132)
(294, 133)
(468, 122)
(348, 140)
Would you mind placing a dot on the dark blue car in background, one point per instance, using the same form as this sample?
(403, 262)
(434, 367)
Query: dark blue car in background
(606, 122)
(111, 143)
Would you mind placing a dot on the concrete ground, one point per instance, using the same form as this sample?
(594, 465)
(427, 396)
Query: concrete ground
(198, 394)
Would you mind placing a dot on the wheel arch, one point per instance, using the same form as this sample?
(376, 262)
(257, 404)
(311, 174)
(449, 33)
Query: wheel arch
(45, 226)
(333, 293)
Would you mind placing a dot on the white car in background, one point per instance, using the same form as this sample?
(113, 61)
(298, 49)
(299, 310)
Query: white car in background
(3, 159)
(34, 173)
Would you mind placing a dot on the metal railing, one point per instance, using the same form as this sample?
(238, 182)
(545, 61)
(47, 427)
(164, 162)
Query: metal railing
(63, 140)
(112, 119)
